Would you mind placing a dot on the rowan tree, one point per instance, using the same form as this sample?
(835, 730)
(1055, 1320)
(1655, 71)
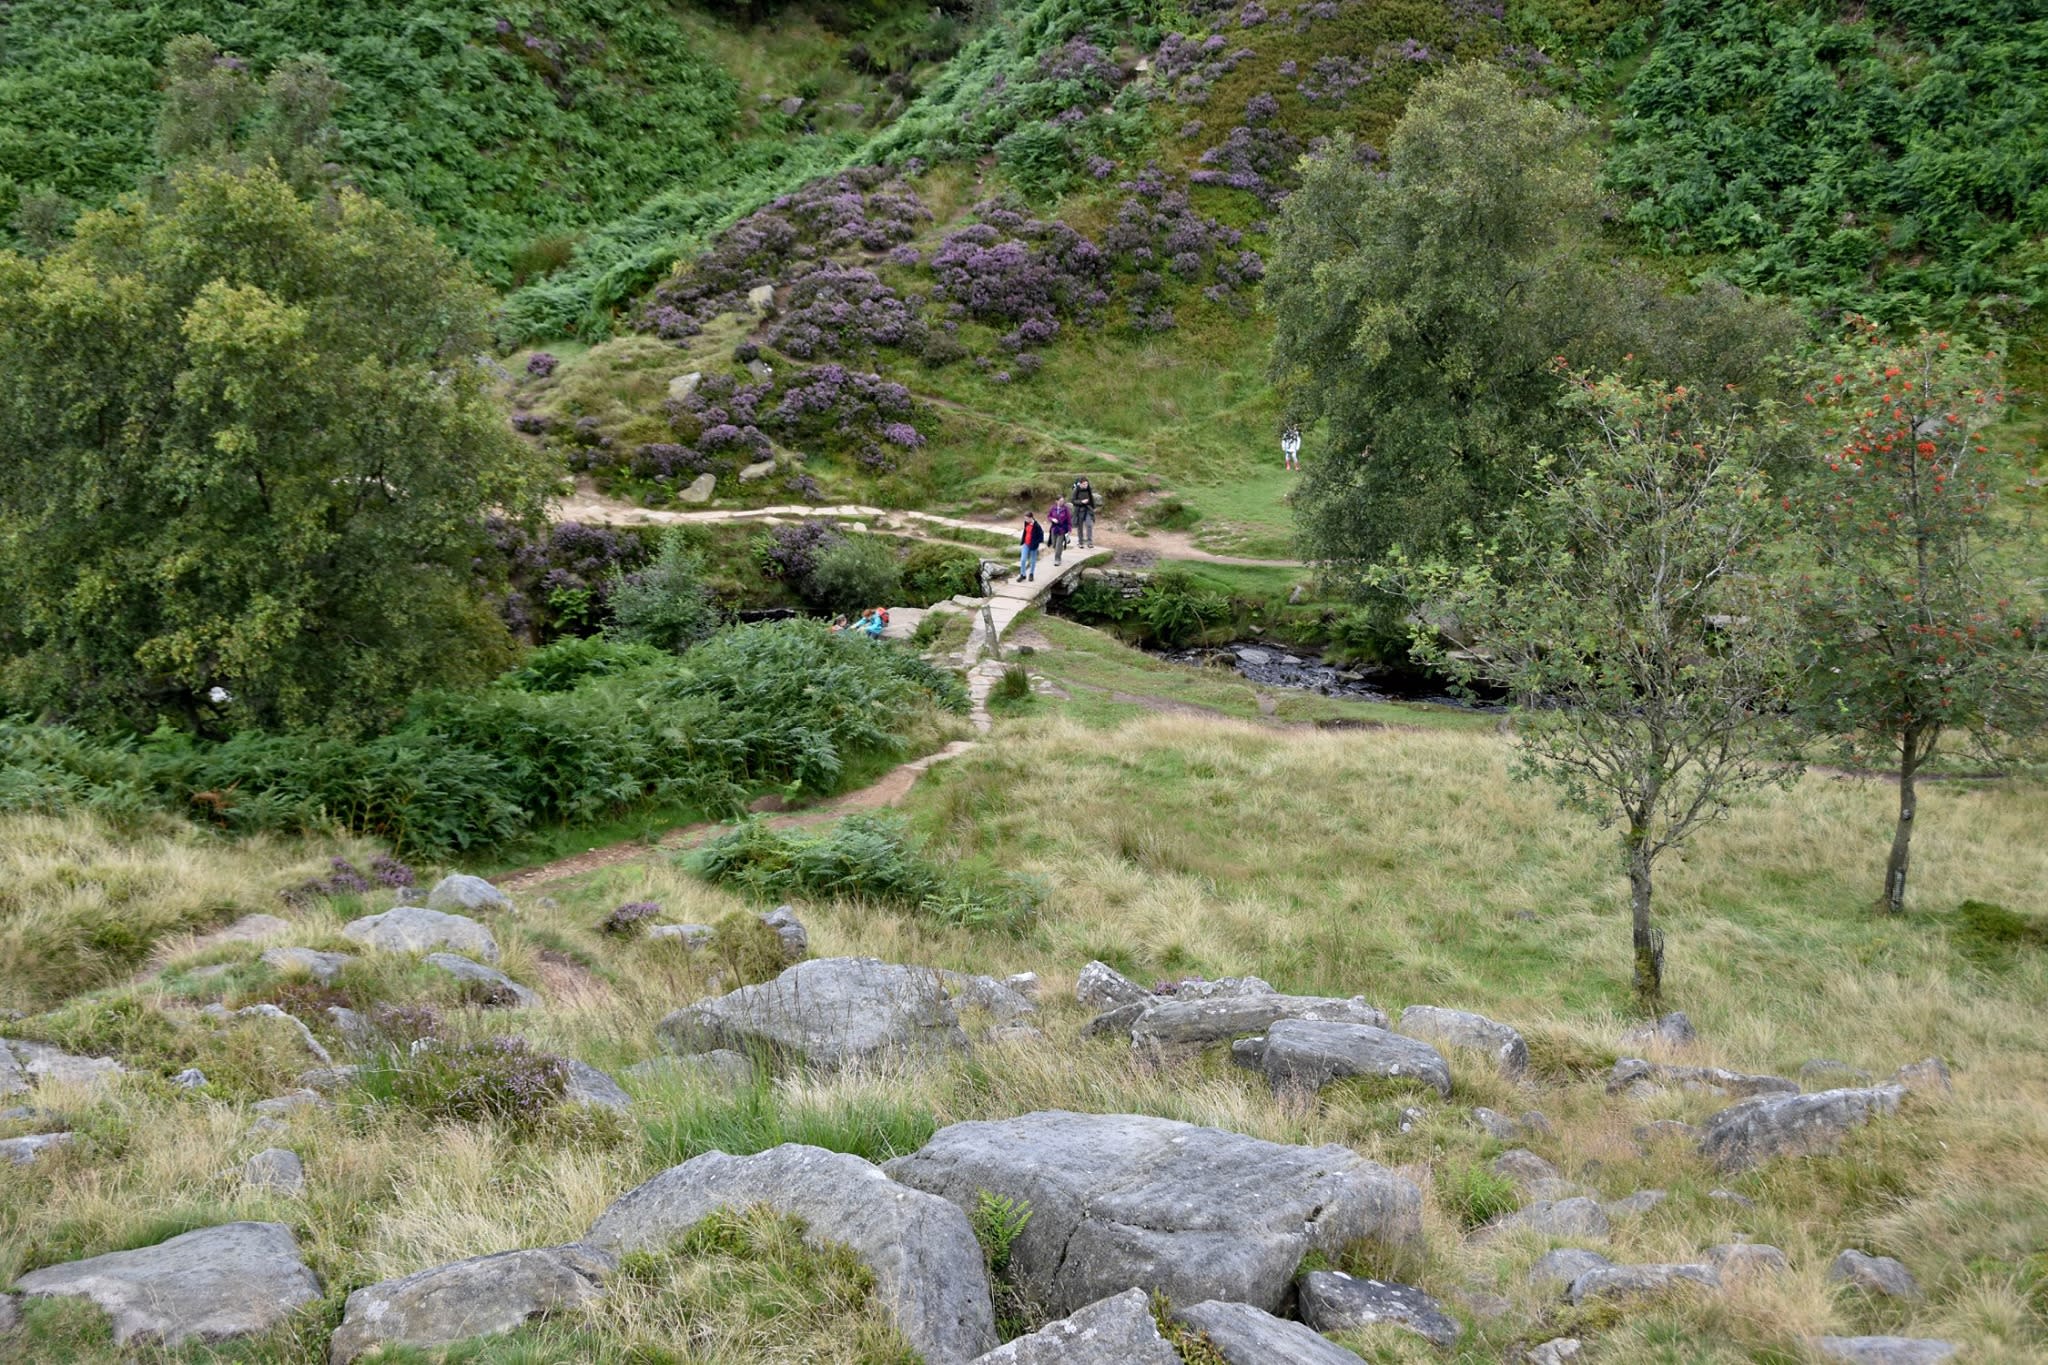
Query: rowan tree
(1917, 630)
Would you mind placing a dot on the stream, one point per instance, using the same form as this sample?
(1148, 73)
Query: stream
(1275, 665)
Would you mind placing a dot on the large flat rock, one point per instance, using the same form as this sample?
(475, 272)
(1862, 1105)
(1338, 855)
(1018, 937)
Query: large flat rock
(1308, 1054)
(1123, 1200)
(1332, 1301)
(1461, 1028)
(215, 1284)
(830, 1012)
(1244, 1335)
(1170, 1028)
(928, 1267)
(483, 1296)
(23, 1064)
(1791, 1125)
(1885, 1350)
(416, 929)
(487, 985)
(1118, 1330)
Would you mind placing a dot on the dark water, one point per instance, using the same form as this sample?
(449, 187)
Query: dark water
(1275, 665)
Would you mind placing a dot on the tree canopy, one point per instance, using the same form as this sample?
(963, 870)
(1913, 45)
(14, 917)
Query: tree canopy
(246, 452)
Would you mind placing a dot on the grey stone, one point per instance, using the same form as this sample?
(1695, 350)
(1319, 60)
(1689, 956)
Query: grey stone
(987, 993)
(416, 929)
(1791, 1125)
(1116, 1021)
(1642, 1201)
(249, 928)
(19, 1151)
(1556, 1351)
(491, 987)
(1523, 1167)
(269, 1011)
(215, 1284)
(699, 489)
(23, 1064)
(833, 1012)
(10, 1316)
(1024, 984)
(1495, 1124)
(720, 1066)
(1674, 1030)
(191, 1078)
(462, 894)
(1744, 1260)
(927, 1265)
(355, 1030)
(1741, 1201)
(588, 1085)
(1665, 1130)
(1460, 1028)
(1824, 1073)
(1332, 1301)
(291, 1100)
(1885, 1350)
(1308, 1054)
(1244, 1335)
(322, 967)
(275, 1169)
(796, 941)
(1555, 1188)
(1013, 1034)
(1641, 1281)
(1629, 1072)
(1879, 1275)
(482, 1296)
(695, 937)
(757, 471)
(1102, 987)
(1119, 1200)
(329, 1079)
(1223, 988)
(683, 385)
(1558, 1269)
(1928, 1077)
(1580, 1217)
(1118, 1330)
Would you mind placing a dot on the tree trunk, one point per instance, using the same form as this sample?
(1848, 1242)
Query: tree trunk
(1649, 944)
(1911, 755)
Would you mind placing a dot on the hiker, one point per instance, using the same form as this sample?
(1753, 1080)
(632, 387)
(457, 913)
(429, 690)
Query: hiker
(1027, 548)
(1060, 521)
(1290, 446)
(874, 622)
(1084, 513)
(838, 624)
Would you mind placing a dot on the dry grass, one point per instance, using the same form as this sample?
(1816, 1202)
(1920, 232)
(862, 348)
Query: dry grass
(1394, 864)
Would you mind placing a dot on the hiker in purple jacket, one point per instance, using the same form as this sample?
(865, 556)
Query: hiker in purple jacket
(1060, 519)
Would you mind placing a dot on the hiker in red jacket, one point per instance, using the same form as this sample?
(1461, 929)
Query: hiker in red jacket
(1027, 548)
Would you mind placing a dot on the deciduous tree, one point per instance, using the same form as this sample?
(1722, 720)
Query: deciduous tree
(1917, 630)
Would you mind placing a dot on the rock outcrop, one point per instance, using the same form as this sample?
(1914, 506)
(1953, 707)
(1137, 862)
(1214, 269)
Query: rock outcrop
(1171, 1028)
(461, 894)
(1332, 1301)
(275, 1170)
(1581, 1216)
(416, 929)
(1885, 1350)
(482, 1296)
(831, 1013)
(1791, 1125)
(585, 1084)
(1642, 1281)
(1244, 1335)
(486, 985)
(1642, 1079)
(1304, 1055)
(24, 1064)
(1123, 1200)
(1459, 1028)
(1118, 1330)
(927, 1265)
(322, 967)
(1879, 1275)
(215, 1284)
(1102, 987)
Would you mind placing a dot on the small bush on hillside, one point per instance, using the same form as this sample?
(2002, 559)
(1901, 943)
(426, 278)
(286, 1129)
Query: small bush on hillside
(630, 918)
(497, 1078)
(1014, 685)
(1475, 1194)
(744, 950)
(933, 573)
(1175, 609)
(857, 573)
(665, 605)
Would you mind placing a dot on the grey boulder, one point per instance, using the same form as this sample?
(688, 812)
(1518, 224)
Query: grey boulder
(789, 930)
(1308, 1054)
(466, 895)
(1791, 1125)
(215, 1284)
(20, 1151)
(483, 1296)
(694, 937)
(1244, 1335)
(1118, 1330)
(1123, 1200)
(1171, 1028)
(832, 1012)
(1102, 988)
(1628, 1206)
(1332, 1301)
(417, 929)
(1885, 1350)
(1459, 1028)
(1825, 1073)
(1004, 1005)
(275, 1170)
(1557, 1269)
(1523, 1167)
(1674, 1030)
(486, 985)
(322, 967)
(587, 1085)
(1577, 1217)
(1747, 1260)
(1642, 1281)
(928, 1267)
(1640, 1079)
(1556, 1351)
(1880, 1275)
(1928, 1077)
(24, 1064)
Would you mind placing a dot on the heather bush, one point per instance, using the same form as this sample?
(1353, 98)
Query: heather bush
(630, 918)
(791, 552)
(496, 1078)
(561, 584)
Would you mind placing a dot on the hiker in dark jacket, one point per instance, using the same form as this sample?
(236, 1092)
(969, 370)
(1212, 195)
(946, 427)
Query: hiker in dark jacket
(1027, 548)
(1083, 499)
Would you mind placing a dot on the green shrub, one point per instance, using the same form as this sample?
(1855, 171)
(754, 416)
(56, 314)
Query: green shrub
(933, 573)
(745, 949)
(666, 604)
(1475, 1194)
(1175, 609)
(568, 663)
(1014, 685)
(496, 1078)
(854, 574)
(998, 1222)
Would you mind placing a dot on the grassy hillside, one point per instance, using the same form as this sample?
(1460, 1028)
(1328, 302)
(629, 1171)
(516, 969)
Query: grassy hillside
(1397, 862)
